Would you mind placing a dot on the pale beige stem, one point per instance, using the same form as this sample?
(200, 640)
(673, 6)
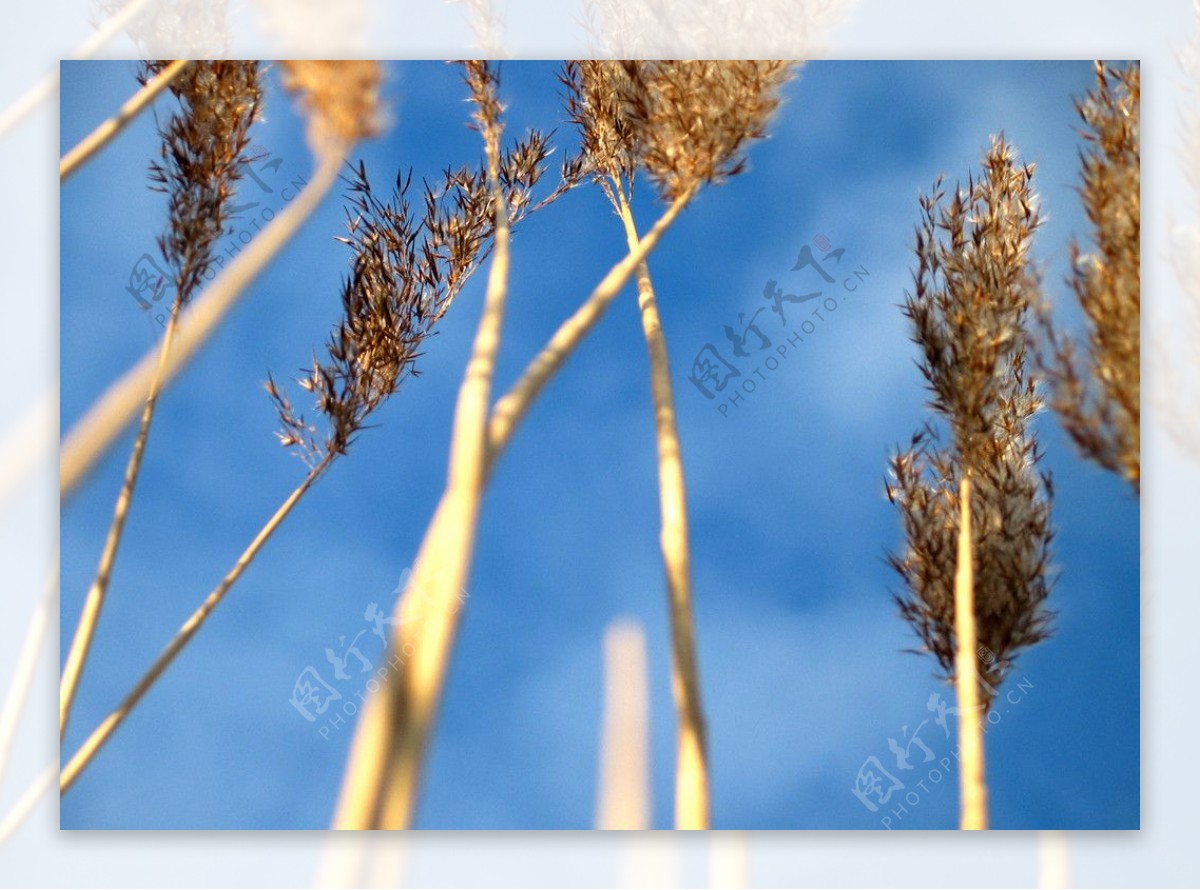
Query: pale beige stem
(100, 736)
(31, 647)
(692, 799)
(728, 860)
(103, 134)
(44, 88)
(94, 434)
(383, 722)
(972, 784)
(383, 775)
(25, 804)
(1054, 860)
(85, 632)
(623, 801)
(510, 410)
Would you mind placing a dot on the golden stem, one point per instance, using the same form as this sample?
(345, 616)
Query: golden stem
(100, 736)
(972, 784)
(94, 434)
(99, 137)
(692, 798)
(90, 617)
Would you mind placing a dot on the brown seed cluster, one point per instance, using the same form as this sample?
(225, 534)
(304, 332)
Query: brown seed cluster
(1097, 394)
(686, 123)
(974, 288)
(203, 151)
(341, 99)
(406, 270)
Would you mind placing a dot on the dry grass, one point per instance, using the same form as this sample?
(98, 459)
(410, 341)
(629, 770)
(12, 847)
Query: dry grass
(979, 498)
(95, 433)
(683, 124)
(405, 271)
(1097, 391)
(203, 146)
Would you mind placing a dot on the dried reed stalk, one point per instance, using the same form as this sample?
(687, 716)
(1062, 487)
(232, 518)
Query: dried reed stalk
(340, 100)
(381, 779)
(972, 782)
(623, 798)
(683, 123)
(405, 273)
(976, 514)
(107, 131)
(203, 147)
(692, 793)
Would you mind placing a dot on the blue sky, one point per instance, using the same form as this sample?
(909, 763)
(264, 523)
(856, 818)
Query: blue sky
(800, 645)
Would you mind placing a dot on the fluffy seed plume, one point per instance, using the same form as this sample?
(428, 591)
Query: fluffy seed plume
(686, 123)
(341, 99)
(1097, 394)
(974, 288)
(407, 268)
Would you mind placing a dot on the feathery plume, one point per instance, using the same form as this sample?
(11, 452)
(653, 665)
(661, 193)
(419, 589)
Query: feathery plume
(686, 123)
(976, 513)
(341, 99)
(1097, 394)
(202, 154)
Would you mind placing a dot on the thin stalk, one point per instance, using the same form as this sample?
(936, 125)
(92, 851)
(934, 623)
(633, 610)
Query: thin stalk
(44, 88)
(94, 434)
(384, 716)
(25, 804)
(972, 784)
(384, 771)
(103, 134)
(90, 617)
(623, 802)
(31, 647)
(692, 798)
(510, 410)
(100, 736)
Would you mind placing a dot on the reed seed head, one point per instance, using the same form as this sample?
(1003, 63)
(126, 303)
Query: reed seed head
(341, 99)
(203, 152)
(1096, 389)
(686, 123)
(973, 288)
(407, 267)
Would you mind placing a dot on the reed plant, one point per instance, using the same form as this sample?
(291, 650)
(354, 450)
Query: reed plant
(407, 266)
(975, 509)
(1096, 387)
(633, 116)
(691, 122)
(201, 160)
